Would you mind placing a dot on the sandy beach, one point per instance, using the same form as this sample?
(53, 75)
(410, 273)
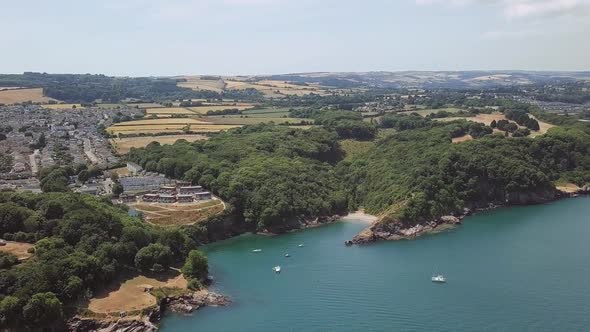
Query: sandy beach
(360, 216)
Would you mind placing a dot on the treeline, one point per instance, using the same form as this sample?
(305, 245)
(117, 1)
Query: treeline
(82, 244)
(346, 124)
(86, 88)
(273, 176)
(416, 175)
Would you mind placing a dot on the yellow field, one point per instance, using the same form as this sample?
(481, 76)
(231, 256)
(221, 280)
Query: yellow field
(124, 145)
(15, 96)
(19, 249)
(168, 110)
(131, 295)
(206, 108)
(156, 122)
(276, 89)
(196, 83)
(155, 129)
(488, 118)
(178, 213)
(62, 106)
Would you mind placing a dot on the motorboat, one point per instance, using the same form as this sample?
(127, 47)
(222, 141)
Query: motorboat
(257, 250)
(287, 255)
(439, 278)
(277, 269)
(300, 245)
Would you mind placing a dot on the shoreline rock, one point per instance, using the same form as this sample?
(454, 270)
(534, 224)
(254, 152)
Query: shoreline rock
(395, 231)
(183, 304)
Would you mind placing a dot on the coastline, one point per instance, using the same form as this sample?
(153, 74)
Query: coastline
(149, 318)
(374, 233)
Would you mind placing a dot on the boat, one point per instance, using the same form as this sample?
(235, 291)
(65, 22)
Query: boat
(439, 278)
(287, 255)
(300, 245)
(277, 269)
(257, 250)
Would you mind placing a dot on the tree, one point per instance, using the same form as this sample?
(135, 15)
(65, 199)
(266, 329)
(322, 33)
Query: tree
(43, 309)
(7, 260)
(494, 124)
(83, 176)
(155, 253)
(118, 189)
(196, 266)
(10, 310)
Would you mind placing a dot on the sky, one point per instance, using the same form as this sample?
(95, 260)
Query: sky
(255, 37)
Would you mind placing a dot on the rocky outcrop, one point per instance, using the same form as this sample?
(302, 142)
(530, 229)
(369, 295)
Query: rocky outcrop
(394, 230)
(78, 324)
(185, 304)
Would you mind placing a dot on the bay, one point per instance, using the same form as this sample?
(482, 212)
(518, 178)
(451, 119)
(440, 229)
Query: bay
(510, 269)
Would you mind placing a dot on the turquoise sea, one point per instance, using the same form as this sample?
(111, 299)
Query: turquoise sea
(510, 269)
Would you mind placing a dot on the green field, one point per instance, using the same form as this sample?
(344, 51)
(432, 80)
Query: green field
(425, 112)
(237, 120)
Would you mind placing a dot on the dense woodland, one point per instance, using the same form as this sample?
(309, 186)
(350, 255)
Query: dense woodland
(81, 244)
(271, 175)
(415, 174)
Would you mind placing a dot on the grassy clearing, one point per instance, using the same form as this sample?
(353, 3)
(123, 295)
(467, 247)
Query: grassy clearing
(353, 147)
(19, 249)
(464, 138)
(124, 145)
(144, 105)
(129, 293)
(178, 213)
(15, 96)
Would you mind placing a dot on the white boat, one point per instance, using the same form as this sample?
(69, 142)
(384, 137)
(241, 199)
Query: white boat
(439, 278)
(300, 245)
(287, 255)
(277, 269)
(257, 250)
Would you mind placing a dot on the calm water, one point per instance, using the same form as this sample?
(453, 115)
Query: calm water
(516, 269)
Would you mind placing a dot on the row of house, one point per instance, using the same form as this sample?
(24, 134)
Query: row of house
(176, 198)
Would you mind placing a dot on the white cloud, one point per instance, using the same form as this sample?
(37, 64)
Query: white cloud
(526, 8)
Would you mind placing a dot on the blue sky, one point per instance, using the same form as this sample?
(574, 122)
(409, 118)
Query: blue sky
(157, 37)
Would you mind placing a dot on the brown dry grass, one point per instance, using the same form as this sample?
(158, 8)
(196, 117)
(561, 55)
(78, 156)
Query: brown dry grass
(19, 249)
(488, 118)
(62, 106)
(178, 213)
(168, 110)
(196, 83)
(15, 96)
(124, 145)
(130, 295)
